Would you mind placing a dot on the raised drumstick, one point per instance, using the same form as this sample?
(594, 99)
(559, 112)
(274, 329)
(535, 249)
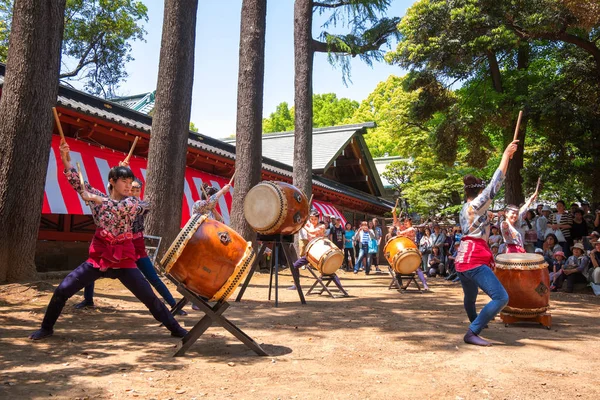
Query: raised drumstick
(232, 177)
(131, 150)
(537, 188)
(60, 131)
(81, 180)
(518, 125)
(310, 200)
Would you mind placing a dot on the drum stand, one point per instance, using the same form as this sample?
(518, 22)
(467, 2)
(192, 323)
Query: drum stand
(394, 284)
(286, 244)
(543, 319)
(213, 315)
(325, 281)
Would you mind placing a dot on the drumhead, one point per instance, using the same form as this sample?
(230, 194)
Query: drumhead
(516, 258)
(408, 262)
(333, 262)
(263, 206)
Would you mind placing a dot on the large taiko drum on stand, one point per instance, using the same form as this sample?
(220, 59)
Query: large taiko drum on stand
(526, 279)
(276, 208)
(402, 254)
(209, 258)
(325, 256)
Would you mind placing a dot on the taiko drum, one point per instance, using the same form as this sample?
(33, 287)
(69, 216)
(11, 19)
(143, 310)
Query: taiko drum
(209, 258)
(276, 208)
(526, 279)
(402, 254)
(324, 255)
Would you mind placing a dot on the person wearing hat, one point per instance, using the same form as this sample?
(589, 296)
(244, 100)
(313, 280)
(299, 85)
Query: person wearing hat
(556, 268)
(541, 225)
(594, 275)
(576, 268)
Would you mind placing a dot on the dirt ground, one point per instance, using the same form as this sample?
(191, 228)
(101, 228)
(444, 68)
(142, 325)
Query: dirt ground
(376, 344)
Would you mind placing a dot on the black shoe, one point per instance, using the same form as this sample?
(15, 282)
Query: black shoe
(179, 332)
(41, 334)
(84, 304)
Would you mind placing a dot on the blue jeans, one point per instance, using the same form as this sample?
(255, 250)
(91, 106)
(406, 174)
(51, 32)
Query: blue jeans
(145, 266)
(363, 253)
(474, 279)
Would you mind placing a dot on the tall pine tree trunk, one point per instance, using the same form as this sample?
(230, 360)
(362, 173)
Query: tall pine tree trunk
(29, 93)
(303, 66)
(514, 180)
(249, 109)
(171, 120)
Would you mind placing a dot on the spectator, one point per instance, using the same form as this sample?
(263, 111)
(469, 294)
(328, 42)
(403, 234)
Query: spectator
(452, 275)
(425, 247)
(529, 231)
(436, 266)
(550, 247)
(495, 248)
(438, 238)
(391, 233)
(539, 209)
(574, 206)
(495, 237)
(363, 236)
(588, 216)
(373, 247)
(555, 268)
(594, 275)
(560, 222)
(578, 226)
(337, 233)
(328, 225)
(378, 236)
(541, 225)
(348, 246)
(575, 269)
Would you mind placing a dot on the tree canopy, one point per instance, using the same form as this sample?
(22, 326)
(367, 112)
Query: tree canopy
(96, 43)
(328, 110)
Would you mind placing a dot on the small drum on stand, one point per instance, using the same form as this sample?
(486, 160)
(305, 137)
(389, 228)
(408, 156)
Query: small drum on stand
(402, 254)
(526, 279)
(276, 208)
(209, 258)
(325, 256)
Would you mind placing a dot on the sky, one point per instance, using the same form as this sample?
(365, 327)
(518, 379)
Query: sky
(216, 62)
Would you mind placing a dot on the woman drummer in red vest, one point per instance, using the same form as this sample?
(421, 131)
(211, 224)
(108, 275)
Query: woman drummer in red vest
(474, 259)
(112, 253)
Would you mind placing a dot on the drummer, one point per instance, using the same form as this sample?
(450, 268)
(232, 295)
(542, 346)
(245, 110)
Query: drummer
(311, 230)
(207, 205)
(474, 259)
(112, 253)
(513, 237)
(410, 232)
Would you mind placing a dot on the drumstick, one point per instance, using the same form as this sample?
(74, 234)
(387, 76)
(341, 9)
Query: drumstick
(81, 180)
(537, 188)
(310, 200)
(518, 125)
(204, 191)
(232, 176)
(60, 131)
(131, 150)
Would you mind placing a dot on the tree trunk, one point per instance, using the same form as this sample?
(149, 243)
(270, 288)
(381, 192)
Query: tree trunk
(30, 90)
(251, 75)
(171, 121)
(303, 65)
(514, 180)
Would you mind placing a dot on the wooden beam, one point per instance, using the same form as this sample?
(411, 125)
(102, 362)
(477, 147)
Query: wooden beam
(356, 179)
(347, 162)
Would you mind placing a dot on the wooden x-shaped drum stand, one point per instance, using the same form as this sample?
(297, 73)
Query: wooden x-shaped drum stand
(213, 315)
(325, 281)
(394, 284)
(286, 244)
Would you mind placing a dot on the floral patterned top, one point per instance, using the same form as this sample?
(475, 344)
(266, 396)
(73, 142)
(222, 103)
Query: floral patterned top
(115, 217)
(205, 206)
(474, 220)
(512, 235)
(410, 233)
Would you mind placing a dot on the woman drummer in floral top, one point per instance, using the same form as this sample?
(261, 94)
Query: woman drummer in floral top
(514, 217)
(112, 253)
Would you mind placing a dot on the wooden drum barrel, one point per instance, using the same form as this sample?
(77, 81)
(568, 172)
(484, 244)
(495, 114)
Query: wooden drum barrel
(209, 258)
(325, 256)
(526, 280)
(402, 254)
(276, 208)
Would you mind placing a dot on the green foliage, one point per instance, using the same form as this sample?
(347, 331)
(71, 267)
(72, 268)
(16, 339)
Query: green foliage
(328, 110)
(370, 30)
(97, 40)
(193, 127)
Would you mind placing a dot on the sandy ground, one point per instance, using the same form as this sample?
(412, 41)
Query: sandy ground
(376, 344)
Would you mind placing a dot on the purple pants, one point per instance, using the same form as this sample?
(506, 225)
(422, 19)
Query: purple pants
(131, 278)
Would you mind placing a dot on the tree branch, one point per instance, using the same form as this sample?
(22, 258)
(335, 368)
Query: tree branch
(341, 3)
(82, 61)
